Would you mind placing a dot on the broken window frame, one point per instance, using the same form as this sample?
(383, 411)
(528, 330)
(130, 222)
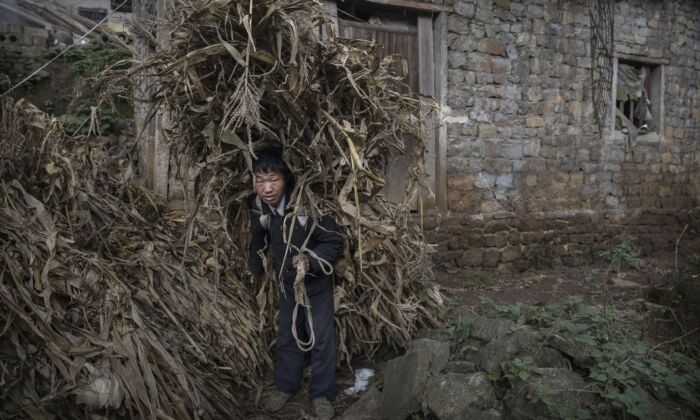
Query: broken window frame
(126, 8)
(654, 87)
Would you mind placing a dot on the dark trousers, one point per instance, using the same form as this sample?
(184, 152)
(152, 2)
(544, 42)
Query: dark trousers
(290, 359)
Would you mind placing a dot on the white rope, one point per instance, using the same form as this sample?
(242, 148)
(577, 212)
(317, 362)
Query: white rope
(302, 298)
(78, 41)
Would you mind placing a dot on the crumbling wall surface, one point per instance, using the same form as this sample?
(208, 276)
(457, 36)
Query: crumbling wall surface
(18, 40)
(527, 169)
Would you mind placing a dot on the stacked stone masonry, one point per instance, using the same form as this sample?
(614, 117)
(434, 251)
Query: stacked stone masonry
(19, 40)
(527, 170)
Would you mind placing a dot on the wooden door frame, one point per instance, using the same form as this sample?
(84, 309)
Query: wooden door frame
(432, 61)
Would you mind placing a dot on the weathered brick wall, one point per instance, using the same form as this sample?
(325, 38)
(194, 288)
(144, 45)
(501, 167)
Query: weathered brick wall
(527, 170)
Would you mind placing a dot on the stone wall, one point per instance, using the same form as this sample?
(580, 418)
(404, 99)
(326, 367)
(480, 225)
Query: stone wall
(528, 172)
(19, 40)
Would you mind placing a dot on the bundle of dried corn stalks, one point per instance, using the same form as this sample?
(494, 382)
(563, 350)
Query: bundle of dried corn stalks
(238, 75)
(101, 300)
(106, 296)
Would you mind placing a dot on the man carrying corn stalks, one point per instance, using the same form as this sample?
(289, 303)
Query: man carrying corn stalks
(303, 251)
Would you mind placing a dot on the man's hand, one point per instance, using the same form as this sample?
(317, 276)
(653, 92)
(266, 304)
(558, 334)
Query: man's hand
(303, 259)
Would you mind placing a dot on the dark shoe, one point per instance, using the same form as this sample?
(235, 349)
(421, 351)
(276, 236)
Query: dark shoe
(322, 408)
(276, 400)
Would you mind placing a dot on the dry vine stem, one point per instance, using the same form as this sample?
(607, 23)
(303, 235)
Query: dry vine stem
(104, 290)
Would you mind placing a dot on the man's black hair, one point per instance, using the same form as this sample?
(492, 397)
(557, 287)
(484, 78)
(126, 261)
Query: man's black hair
(270, 160)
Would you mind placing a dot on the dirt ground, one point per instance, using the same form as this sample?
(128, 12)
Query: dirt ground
(597, 282)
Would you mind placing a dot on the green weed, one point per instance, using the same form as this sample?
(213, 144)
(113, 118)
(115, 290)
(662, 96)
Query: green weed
(626, 254)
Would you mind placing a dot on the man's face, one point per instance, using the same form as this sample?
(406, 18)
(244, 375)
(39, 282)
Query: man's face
(269, 186)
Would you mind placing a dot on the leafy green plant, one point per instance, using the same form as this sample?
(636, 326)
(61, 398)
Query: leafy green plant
(632, 378)
(540, 256)
(459, 334)
(625, 254)
(94, 61)
(78, 121)
(627, 371)
(521, 368)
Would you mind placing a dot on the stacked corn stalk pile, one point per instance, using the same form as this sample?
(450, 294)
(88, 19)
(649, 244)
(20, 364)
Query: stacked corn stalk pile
(102, 300)
(239, 75)
(111, 300)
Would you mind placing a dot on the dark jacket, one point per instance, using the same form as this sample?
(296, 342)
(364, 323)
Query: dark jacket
(324, 241)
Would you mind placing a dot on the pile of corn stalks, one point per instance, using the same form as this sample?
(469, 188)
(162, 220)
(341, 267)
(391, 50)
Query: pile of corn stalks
(107, 298)
(101, 298)
(238, 75)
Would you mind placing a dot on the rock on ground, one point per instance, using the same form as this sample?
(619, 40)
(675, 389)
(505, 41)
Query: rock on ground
(437, 351)
(453, 395)
(404, 382)
(368, 407)
(460, 366)
(486, 329)
(504, 348)
(563, 390)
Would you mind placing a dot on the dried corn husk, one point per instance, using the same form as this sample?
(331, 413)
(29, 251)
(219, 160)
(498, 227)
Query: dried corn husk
(128, 308)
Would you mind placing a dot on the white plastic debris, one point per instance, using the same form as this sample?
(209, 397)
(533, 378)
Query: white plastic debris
(361, 379)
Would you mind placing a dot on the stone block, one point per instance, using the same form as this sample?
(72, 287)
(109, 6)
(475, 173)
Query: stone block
(368, 407)
(478, 62)
(487, 131)
(464, 182)
(471, 258)
(496, 240)
(534, 122)
(486, 329)
(576, 109)
(492, 46)
(504, 181)
(456, 395)
(497, 226)
(535, 11)
(457, 61)
(490, 207)
(567, 389)
(532, 237)
(578, 352)
(511, 253)
(462, 43)
(576, 178)
(531, 148)
(460, 366)
(491, 257)
(485, 180)
(438, 352)
(484, 79)
(465, 9)
(404, 383)
(498, 165)
(511, 151)
(504, 348)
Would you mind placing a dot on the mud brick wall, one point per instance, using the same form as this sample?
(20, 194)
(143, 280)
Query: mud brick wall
(527, 171)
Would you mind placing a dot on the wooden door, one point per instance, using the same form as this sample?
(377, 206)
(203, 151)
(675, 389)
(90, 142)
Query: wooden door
(409, 41)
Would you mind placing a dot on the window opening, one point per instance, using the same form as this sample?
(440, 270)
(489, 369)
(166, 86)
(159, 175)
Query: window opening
(634, 98)
(94, 14)
(126, 8)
